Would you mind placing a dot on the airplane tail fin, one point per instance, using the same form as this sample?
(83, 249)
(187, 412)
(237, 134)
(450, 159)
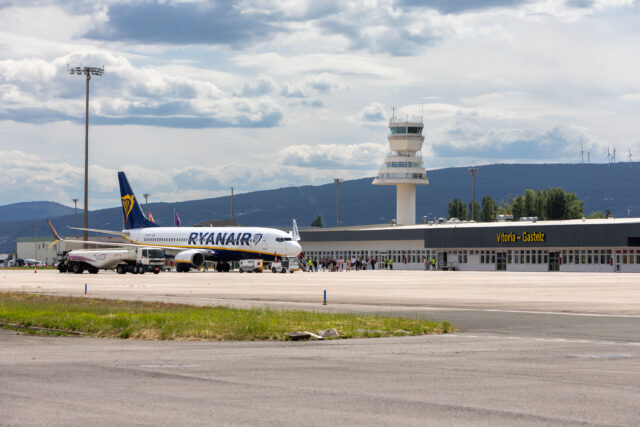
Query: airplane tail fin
(295, 235)
(133, 215)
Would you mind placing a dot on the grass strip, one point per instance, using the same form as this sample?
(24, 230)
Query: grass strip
(153, 320)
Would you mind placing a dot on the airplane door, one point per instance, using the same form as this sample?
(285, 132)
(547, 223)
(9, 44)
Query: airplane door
(264, 242)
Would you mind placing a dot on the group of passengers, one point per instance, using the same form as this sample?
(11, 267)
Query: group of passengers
(340, 264)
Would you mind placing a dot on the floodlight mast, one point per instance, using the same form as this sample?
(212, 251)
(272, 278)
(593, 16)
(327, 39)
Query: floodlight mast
(338, 181)
(473, 171)
(88, 72)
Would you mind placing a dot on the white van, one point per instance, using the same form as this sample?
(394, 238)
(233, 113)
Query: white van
(250, 266)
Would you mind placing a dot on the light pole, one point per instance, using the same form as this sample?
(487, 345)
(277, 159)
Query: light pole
(88, 72)
(75, 216)
(473, 172)
(231, 204)
(338, 181)
(146, 202)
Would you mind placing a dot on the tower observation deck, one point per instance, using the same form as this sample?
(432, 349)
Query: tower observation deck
(403, 166)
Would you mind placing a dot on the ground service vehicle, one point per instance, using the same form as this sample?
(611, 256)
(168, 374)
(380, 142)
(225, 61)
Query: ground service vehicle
(134, 260)
(285, 264)
(250, 266)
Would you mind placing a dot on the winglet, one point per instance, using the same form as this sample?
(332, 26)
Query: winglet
(55, 234)
(295, 234)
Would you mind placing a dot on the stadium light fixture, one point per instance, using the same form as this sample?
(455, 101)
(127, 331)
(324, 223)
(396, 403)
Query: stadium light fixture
(88, 72)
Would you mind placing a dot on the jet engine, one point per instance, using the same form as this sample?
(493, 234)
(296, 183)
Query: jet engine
(195, 257)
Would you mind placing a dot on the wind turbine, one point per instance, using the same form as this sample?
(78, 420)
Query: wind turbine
(629, 156)
(608, 156)
(581, 153)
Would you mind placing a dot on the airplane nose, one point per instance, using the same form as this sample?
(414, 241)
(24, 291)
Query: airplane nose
(295, 248)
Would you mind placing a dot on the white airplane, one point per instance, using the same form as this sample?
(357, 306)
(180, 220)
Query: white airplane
(193, 245)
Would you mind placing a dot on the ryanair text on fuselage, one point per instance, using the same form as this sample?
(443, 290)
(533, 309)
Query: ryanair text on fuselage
(217, 239)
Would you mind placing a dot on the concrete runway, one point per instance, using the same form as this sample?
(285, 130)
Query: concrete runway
(556, 349)
(432, 380)
(597, 293)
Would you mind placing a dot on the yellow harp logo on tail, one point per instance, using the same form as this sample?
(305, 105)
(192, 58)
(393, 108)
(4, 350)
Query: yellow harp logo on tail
(127, 204)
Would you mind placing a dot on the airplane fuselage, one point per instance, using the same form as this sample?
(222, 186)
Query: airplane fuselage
(219, 243)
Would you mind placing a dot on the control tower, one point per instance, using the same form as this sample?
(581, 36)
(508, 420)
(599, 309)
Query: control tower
(403, 166)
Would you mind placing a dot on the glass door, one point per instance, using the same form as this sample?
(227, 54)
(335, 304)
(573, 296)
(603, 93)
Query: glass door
(554, 261)
(501, 261)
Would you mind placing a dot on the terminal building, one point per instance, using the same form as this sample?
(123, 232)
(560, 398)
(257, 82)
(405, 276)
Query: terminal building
(602, 245)
(607, 245)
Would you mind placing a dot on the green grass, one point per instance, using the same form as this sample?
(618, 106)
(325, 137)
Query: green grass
(150, 320)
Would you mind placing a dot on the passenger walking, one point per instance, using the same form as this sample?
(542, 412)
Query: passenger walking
(433, 263)
(391, 264)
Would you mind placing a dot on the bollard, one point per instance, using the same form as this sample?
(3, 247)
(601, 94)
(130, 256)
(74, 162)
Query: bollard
(324, 301)
(85, 288)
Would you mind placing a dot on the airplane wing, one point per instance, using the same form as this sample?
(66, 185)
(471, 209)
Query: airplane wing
(57, 238)
(95, 230)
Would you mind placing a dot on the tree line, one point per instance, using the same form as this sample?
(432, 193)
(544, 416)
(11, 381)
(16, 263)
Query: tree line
(550, 204)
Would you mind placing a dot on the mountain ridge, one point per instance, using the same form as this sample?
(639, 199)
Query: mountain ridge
(600, 186)
(33, 210)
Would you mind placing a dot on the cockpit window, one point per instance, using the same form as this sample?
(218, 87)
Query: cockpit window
(283, 239)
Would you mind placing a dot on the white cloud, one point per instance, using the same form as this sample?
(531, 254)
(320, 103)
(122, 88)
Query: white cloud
(42, 91)
(298, 100)
(324, 83)
(372, 113)
(29, 177)
(335, 156)
(292, 90)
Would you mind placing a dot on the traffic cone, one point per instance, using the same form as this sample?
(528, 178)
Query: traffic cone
(35, 269)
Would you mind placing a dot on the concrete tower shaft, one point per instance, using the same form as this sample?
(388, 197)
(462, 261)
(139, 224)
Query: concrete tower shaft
(403, 166)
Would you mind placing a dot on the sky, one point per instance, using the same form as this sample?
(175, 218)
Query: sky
(200, 96)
